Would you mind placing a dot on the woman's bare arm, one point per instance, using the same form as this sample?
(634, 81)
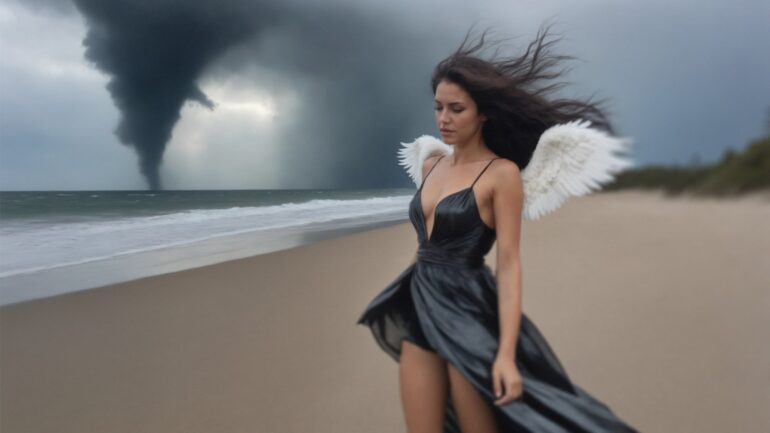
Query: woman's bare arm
(508, 202)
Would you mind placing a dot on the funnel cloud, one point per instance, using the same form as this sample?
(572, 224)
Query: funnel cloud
(155, 51)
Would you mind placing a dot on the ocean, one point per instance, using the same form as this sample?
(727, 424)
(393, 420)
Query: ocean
(55, 242)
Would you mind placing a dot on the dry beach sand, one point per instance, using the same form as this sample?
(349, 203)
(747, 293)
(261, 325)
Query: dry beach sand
(659, 307)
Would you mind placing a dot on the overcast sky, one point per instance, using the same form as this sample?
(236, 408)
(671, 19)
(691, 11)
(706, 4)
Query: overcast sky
(307, 94)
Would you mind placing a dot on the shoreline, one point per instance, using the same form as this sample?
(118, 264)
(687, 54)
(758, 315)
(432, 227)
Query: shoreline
(130, 266)
(125, 267)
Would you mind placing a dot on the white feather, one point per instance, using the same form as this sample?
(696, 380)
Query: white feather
(412, 155)
(571, 159)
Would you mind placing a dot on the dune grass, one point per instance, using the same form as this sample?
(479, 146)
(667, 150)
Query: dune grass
(737, 173)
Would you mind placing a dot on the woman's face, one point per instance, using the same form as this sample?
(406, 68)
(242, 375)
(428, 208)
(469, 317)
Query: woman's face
(457, 116)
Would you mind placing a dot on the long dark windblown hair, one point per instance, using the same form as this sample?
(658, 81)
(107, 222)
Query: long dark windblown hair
(512, 93)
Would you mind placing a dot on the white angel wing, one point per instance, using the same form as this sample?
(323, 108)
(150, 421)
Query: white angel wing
(571, 159)
(412, 155)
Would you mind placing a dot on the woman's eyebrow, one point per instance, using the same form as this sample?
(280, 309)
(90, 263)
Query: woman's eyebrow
(451, 103)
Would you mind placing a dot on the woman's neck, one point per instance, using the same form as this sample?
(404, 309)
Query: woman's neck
(470, 152)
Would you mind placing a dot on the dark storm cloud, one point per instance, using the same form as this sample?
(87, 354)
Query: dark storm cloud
(356, 75)
(364, 84)
(155, 51)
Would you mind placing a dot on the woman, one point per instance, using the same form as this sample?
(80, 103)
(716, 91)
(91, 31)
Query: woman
(470, 360)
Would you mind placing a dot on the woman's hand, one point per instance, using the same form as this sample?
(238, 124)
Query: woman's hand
(506, 378)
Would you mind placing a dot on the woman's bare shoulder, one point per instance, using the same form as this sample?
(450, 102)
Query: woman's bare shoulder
(506, 165)
(506, 173)
(428, 163)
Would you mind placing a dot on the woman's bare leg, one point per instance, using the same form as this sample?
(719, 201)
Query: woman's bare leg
(424, 388)
(473, 412)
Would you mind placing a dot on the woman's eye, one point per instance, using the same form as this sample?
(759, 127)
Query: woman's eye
(454, 110)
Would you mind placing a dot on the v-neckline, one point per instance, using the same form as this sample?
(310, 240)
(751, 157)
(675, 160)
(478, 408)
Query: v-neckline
(429, 236)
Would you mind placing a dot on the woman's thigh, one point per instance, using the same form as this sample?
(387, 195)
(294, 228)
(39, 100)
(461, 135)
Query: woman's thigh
(424, 388)
(474, 414)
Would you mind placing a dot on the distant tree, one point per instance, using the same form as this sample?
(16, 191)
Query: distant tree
(728, 155)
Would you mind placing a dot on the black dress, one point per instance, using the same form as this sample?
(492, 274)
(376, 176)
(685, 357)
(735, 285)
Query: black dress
(446, 302)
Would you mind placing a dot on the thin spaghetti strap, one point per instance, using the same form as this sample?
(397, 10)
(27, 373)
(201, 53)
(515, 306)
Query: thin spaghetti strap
(429, 171)
(482, 171)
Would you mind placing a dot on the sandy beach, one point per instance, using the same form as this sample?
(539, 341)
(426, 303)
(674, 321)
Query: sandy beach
(658, 306)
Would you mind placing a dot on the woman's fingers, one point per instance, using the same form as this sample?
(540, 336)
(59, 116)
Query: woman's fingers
(497, 384)
(507, 381)
(513, 391)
